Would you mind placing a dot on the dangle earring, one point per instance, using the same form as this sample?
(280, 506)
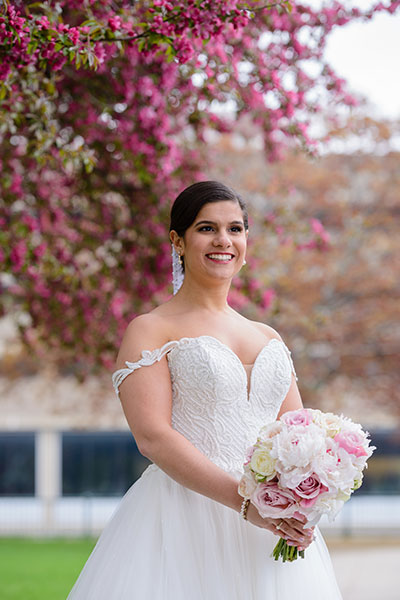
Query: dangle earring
(177, 270)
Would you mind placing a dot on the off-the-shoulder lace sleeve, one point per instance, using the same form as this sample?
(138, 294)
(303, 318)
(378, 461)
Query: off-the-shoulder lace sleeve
(149, 357)
(289, 355)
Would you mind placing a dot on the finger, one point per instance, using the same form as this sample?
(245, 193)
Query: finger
(292, 529)
(306, 531)
(297, 522)
(293, 535)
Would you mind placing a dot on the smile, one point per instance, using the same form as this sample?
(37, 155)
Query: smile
(220, 257)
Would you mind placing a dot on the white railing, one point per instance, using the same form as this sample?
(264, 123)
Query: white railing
(87, 515)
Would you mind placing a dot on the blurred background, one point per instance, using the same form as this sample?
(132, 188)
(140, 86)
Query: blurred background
(84, 248)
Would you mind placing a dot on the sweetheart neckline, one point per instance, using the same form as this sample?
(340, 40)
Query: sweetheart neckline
(196, 337)
(249, 380)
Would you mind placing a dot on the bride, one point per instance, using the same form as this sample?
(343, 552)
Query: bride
(197, 381)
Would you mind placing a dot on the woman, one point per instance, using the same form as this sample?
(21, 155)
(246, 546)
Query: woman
(204, 381)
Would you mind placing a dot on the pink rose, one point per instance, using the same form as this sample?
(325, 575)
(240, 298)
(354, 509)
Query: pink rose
(272, 501)
(297, 417)
(310, 489)
(352, 442)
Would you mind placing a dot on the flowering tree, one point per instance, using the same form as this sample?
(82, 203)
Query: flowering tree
(105, 108)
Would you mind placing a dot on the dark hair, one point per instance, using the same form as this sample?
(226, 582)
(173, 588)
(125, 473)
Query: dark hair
(189, 203)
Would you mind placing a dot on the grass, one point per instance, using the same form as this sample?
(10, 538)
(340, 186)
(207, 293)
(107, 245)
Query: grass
(46, 569)
(40, 569)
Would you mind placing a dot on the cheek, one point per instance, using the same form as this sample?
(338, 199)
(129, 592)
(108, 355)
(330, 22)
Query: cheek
(243, 246)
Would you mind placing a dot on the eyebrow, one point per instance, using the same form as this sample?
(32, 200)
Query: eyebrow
(214, 223)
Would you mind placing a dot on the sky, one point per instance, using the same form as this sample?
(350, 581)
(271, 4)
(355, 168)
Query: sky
(367, 55)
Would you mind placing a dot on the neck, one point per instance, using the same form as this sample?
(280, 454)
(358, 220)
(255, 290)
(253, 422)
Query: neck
(201, 295)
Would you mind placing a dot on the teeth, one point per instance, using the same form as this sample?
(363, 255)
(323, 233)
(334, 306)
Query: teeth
(220, 256)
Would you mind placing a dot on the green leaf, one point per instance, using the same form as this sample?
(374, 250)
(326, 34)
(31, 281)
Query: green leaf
(288, 6)
(141, 44)
(89, 23)
(3, 91)
(32, 47)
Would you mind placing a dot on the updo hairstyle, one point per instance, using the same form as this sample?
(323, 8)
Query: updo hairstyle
(189, 203)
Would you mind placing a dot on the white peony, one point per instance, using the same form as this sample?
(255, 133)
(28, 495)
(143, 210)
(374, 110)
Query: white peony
(335, 468)
(325, 505)
(294, 477)
(271, 430)
(295, 447)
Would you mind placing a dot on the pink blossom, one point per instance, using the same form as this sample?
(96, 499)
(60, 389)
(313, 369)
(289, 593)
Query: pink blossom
(44, 22)
(63, 298)
(16, 184)
(40, 250)
(74, 34)
(18, 255)
(267, 298)
(115, 23)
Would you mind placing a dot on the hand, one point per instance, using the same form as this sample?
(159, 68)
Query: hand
(292, 530)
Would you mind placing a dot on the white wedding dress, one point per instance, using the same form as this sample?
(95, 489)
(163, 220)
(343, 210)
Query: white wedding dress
(166, 542)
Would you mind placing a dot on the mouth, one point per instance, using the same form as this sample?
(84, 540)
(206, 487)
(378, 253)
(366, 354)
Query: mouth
(220, 257)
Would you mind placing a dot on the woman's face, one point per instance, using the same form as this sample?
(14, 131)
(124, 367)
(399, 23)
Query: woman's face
(215, 244)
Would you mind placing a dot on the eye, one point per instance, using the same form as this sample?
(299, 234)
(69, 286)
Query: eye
(234, 228)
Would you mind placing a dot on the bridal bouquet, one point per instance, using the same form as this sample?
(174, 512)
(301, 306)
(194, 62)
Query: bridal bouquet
(306, 464)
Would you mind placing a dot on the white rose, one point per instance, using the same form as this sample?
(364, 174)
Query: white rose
(331, 423)
(262, 463)
(247, 485)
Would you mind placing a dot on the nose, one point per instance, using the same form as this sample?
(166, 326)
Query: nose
(222, 239)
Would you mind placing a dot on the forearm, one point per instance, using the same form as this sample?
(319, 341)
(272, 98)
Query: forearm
(184, 463)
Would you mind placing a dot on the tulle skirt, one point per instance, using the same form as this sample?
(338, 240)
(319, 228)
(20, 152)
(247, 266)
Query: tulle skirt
(165, 542)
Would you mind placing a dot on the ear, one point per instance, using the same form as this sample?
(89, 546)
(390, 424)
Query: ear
(176, 241)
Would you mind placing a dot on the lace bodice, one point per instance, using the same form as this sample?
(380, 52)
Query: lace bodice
(212, 406)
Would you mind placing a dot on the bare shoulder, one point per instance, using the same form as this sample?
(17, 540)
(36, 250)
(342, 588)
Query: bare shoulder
(267, 330)
(144, 332)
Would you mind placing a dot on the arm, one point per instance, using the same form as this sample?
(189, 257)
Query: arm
(146, 398)
(293, 399)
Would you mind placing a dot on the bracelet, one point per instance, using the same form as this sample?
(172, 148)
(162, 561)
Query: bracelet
(245, 508)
